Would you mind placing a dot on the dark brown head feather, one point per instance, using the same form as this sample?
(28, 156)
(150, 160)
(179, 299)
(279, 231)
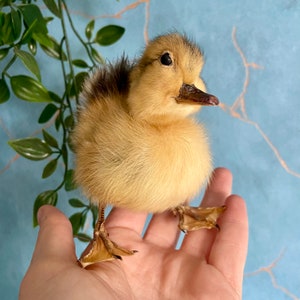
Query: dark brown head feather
(108, 80)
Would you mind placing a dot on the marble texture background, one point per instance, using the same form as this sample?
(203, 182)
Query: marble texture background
(252, 51)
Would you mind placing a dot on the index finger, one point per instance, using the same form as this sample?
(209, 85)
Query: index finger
(55, 237)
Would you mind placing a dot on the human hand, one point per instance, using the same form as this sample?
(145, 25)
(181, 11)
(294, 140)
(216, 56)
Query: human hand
(208, 265)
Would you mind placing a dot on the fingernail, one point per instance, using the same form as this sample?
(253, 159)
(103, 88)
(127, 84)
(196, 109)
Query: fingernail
(40, 215)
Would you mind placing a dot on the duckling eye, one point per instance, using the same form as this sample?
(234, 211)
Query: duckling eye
(166, 59)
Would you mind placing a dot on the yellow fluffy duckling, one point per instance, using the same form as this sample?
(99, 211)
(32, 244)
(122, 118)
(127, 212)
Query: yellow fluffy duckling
(136, 142)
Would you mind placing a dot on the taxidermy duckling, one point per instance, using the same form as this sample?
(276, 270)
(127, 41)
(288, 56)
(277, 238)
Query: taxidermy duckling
(137, 144)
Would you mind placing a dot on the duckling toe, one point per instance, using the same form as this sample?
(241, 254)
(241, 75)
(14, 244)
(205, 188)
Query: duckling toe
(194, 218)
(101, 248)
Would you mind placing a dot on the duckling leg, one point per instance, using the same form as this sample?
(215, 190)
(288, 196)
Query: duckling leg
(194, 218)
(101, 248)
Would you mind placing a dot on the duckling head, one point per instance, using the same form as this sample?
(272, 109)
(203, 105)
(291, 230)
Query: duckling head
(166, 83)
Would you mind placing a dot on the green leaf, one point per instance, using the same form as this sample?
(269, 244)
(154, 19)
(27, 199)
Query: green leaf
(29, 62)
(79, 79)
(27, 35)
(3, 52)
(48, 19)
(43, 39)
(52, 7)
(97, 57)
(4, 91)
(80, 63)
(69, 181)
(109, 35)
(76, 203)
(47, 113)
(47, 197)
(55, 97)
(75, 220)
(83, 218)
(2, 17)
(50, 140)
(49, 168)
(95, 212)
(57, 122)
(69, 122)
(32, 46)
(27, 88)
(54, 49)
(6, 30)
(31, 148)
(32, 13)
(16, 22)
(83, 237)
(2, 13)
(89, 29)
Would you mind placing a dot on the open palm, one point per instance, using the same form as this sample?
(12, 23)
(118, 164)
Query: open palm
(208, 265)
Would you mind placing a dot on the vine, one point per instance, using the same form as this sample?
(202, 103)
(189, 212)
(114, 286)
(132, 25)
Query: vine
(24, 31)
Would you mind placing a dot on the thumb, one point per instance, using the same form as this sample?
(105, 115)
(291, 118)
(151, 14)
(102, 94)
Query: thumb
(55, 237)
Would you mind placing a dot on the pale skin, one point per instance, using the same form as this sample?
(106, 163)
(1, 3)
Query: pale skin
(208, 265)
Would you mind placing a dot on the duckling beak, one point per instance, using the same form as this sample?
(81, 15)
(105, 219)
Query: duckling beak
(190, 94)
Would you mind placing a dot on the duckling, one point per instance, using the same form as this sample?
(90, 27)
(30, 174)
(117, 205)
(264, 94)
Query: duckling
(136, 142)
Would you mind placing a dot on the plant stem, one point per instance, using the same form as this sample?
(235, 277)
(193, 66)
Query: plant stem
(77, 34)
(61, 3)
(9, 64)
(66, 94)
(63, 150)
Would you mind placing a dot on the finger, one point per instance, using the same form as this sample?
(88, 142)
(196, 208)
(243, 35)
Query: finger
(219, 188)
(229, 251)
(121, 218)
(199, 242)
(163, 230)
(55, 237)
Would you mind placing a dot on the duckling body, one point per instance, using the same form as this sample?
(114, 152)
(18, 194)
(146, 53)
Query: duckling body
(136, 141)
(132, 163)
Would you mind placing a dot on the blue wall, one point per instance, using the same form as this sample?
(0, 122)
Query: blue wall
(252, 51)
